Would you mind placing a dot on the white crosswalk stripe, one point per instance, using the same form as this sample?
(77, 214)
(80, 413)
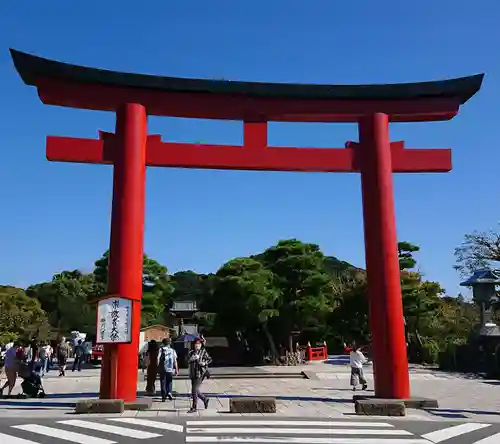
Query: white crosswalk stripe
(65, 435)
(60, 431)
(241, 431)
(122, 431)
(288, 423)
(304, 440)
(493, 439)
(293, 431)
(297, 432)
(9, 439)
(149, 423)
(453, 431)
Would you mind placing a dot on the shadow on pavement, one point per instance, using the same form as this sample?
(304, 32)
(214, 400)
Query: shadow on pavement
(45, 403)
(491, 382)
(344, 390)
(459, 413)
(338, 360)
(35, 404)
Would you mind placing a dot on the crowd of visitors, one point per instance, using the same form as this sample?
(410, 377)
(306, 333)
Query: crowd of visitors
(33, 361)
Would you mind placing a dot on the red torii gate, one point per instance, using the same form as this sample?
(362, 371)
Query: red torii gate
(133, 97)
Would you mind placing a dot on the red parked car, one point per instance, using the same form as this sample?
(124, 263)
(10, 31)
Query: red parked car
(97, 354)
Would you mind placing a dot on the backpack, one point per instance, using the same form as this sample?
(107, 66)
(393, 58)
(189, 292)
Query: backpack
(163, 359)
(205, 373)
(20, 354)
(78, 351)
(63, 350)
(161, 364)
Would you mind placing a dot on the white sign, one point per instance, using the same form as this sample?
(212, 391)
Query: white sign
(114, 321)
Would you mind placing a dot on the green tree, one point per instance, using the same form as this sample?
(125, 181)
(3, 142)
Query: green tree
(156, 292)
(306, 293)
(348, 321)
(191, 286)
(69, 300)
(405, 254)
(246, 297)
(421, 301)
(21, 317)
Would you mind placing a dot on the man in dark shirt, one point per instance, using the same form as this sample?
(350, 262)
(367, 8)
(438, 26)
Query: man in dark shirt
(79, 354)
(198, 360)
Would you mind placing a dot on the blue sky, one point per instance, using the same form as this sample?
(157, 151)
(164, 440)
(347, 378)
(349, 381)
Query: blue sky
(56, 216)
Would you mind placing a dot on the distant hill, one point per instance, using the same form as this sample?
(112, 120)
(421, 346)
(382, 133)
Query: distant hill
(334, 265)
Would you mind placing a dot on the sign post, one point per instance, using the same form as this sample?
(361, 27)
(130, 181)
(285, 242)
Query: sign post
(114, 326)
(114, 320)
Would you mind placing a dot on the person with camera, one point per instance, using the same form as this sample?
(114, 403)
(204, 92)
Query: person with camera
(198, 360)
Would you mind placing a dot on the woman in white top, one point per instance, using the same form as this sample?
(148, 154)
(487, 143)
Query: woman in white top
(356, 360)
(11, 363)
(44, 356)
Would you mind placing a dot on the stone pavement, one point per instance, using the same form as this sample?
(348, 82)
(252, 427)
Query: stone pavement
(326, 395)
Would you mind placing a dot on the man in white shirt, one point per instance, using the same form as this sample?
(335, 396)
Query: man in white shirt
(167, 368)
(44, 356)
(356, 360)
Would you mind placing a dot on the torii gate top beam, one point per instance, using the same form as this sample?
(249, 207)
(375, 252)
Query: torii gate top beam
(96, 89)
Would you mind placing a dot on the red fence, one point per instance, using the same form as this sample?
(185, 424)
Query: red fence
(317, 353)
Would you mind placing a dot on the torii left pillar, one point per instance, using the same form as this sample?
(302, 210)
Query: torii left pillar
(126, 247)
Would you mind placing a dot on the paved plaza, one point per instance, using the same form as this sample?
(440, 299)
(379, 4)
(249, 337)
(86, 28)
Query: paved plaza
(326, 395)
(317, 410)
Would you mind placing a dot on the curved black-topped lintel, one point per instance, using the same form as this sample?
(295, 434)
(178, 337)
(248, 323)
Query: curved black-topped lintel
(33, 68)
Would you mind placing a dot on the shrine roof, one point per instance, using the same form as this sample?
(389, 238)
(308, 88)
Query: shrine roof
(33, 68)
(483, 276)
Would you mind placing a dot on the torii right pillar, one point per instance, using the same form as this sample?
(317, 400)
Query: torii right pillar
(390, 364)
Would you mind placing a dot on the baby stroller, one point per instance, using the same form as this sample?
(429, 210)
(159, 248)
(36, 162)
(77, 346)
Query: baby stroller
(32, 381)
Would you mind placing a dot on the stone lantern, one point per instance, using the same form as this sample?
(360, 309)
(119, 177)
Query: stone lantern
(483, 283)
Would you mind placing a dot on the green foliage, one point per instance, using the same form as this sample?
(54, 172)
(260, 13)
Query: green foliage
(430, 351)
(21, 317)
(348, 322)
(405, 253)
(157, 288)
(68, 300)
(306, 293)
(246, 292)
(290, 292)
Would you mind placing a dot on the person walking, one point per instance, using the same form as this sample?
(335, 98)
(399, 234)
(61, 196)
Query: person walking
(356, 360)
(63, 349)
(44, 356)
(167, 368)
(79, 356)
(152, 370)
(198, 360)
(11, 367)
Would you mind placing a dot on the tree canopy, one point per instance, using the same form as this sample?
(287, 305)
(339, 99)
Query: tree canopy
(21, 316)
(478, 250)
(291, 292)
